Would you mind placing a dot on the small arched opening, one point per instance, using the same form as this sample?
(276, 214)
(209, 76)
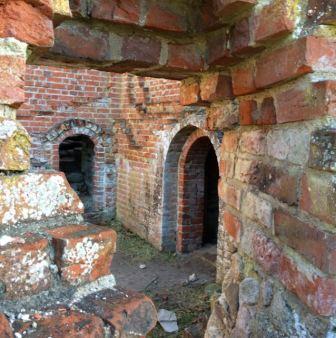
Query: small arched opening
(76, 160)
(191, 203)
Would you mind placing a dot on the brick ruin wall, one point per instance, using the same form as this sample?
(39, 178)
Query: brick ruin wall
(261, 88)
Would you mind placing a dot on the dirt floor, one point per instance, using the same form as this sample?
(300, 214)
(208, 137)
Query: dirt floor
(165, 278)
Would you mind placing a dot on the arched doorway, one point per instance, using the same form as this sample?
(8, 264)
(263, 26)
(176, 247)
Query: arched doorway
(191, 203)
(76, 159)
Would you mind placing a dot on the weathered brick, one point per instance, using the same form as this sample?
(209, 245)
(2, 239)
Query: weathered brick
(318, 195)
(5, 328)
(250, 114)
(301, 57)
(253, 142)
(128, 313)
(80, 41)
(216, 87)
(243, 79)
(24, 267)
(117, 11)
(60, 322)
(266, 252)
(258, 209)
(185, 57)
(141, 51)
(316, 291)
(275, 20)
(306, 102)
(309, 240)
(83, 253)
(227, 8)
(190, 92)
(323, 150)
(163, 18)
(218, 52)
(232, 225)
(27, 23)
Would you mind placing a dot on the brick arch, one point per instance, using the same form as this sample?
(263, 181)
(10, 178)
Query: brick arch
(177, 156)
(76, 127)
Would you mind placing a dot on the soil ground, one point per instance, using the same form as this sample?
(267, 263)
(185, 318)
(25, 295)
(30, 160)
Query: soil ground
(165, 280)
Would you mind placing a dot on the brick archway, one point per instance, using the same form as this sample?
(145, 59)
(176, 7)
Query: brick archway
(103, 178)
(182, 224)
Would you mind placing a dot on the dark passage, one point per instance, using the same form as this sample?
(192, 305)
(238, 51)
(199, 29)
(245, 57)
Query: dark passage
(211, 206)
(76, 155)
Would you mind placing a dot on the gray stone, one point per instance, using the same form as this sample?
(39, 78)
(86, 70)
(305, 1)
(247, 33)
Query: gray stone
(249, 290)
(266, 293)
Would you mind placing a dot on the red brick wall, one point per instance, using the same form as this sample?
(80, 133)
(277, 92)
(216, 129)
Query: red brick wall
(118, 112)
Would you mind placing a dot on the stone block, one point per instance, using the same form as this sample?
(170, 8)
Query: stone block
(83, 253)
(35, 197)
(232, 225)
(14, 146)
(253, 142)
(12, 71)
(249, 171)
(323, 150)
(281, 183)
(128, 313)
(60, 322)
(258, 209)
(289, 144)
(222, 116)
(230, 142)
(318, 195)
(249, 290)
(227, 166)
(229, 194)
(24, 265)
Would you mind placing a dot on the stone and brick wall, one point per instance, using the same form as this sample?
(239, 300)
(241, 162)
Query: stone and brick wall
(259, 83)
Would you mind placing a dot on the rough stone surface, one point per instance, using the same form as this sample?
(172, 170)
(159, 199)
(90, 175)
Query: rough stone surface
(36, 197)
(24, 267)
(249, 290)
(59, 323)
(83, 253)
(125, 311)
(14, 146)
